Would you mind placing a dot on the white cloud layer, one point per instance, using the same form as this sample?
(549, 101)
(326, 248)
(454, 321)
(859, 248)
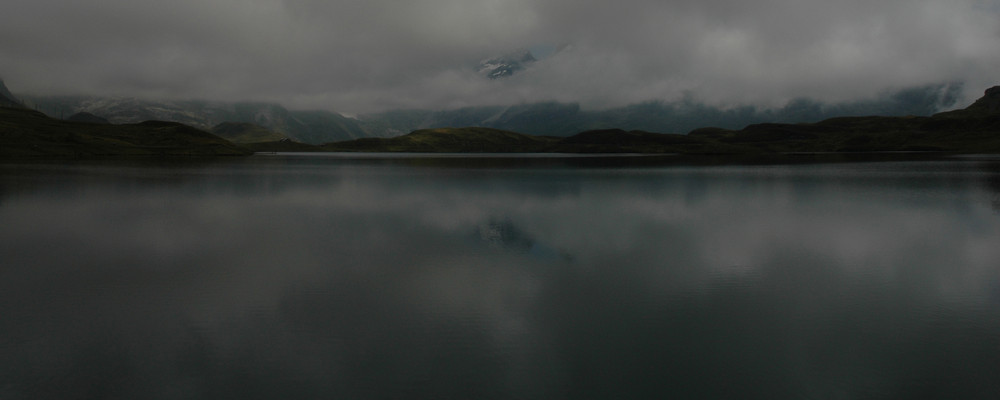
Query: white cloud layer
(361, 56)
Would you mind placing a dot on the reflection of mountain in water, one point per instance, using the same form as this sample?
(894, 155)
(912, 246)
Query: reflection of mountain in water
(502, 233)
(991, 181)
(993, 185)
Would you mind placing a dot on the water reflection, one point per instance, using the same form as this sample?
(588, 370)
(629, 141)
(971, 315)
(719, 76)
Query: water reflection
(280, 278)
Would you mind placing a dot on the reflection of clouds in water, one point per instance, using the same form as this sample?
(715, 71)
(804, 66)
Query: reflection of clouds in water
(502, 233)
(735, 220)
(731, 221)
(347, 282)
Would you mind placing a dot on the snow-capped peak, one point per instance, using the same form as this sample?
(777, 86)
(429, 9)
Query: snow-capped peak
(506, 65)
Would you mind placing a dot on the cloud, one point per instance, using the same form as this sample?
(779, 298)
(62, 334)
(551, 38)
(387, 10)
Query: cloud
(354, 56)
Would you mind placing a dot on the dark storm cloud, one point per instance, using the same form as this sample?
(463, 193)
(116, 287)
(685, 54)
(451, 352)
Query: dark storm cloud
(358, 56)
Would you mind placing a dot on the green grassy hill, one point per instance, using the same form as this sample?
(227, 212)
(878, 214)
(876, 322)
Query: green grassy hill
(27, 133)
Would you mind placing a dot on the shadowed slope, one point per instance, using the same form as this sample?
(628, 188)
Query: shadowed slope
(973, 129)
(451, 140)
(26, 133)
(245, 132)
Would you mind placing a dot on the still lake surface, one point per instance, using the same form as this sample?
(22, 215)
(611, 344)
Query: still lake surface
(478, 277)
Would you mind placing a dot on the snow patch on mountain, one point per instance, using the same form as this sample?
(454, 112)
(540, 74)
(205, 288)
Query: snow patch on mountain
(506, 65)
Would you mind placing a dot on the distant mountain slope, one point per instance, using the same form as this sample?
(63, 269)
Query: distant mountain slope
(506, 65)
(565, 119)
(245, 132)
(987, 106)
(450, 140)
(972, 130)
(620, 141)
(546, 118)
(28, 133)
(7, 98)
(487, 140)
(303, 126)
(88, 117)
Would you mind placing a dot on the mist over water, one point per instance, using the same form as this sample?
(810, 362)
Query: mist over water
(360, 277)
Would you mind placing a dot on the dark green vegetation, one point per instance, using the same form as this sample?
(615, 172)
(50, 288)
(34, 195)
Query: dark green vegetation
(27, 133)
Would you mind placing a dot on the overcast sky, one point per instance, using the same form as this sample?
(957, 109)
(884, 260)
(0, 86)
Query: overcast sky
(370, 55)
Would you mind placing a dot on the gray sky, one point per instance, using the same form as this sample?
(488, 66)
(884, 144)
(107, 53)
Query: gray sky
(371, 55)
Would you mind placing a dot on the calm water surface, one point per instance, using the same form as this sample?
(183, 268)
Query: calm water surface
(295, 277)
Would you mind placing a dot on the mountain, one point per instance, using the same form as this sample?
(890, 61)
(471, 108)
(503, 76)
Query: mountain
(450, 140)
(88, 117)
(304, 126)
(975, 129)
(506, 65)
(7, 98)
(245, 132)
(486, 140)
(29, 133)
(545, 118)
(985, 107)
(565, 119)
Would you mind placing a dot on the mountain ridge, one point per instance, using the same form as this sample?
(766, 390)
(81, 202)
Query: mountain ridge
(305, 126)
(506, 65)
(246, 132)
(541, 118)
(26, 133)
(7, 99)
(973, 129)
(682, 116)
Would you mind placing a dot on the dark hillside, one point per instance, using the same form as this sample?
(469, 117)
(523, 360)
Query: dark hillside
(245, 132)
(7, 99)
(27, 133)
(450, 140)
(970, 130)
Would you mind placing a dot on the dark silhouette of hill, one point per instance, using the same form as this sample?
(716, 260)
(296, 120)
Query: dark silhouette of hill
(28, 133)
(7, 99)
(488, 140)
(245, 132)
(970, 130)
(304, 126)
(450, 140)
(88, 117)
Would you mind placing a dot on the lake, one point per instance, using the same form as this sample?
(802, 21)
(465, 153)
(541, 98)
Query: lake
(498, 277)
